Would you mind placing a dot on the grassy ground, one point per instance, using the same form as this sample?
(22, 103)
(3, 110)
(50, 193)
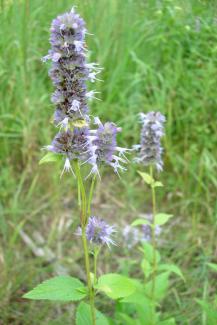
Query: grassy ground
(156, 55)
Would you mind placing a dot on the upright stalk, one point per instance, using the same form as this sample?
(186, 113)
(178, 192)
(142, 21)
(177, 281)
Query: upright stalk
(96, 253)
(84, 218)
(91, 195)
(153, 237)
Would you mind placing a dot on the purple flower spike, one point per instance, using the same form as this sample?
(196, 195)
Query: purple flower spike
(98, 232)
(150, 149)
(103, 147)
(70, 71)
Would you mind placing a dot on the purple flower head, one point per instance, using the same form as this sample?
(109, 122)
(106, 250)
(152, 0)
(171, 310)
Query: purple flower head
(98, 232)
(71, 144)
(70, 71)
(150, 149)
(103, 147)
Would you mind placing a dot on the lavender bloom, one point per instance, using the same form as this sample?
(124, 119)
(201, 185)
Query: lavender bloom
(150, 149)
(71, 144)
(103, 147)
(147, 231)
(99, 232)
(70, 71)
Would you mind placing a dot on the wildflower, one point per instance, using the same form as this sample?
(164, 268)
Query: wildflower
(70, 71)
(98, 232)
(150, 149)
(103, 147)
(71, 144)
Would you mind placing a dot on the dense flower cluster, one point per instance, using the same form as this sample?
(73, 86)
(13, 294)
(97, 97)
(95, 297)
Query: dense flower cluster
(150, 149)
(103, 147)
(69, 73)
(98, 232)
(71, 144)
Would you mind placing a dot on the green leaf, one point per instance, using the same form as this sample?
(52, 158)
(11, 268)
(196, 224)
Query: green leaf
(147, 178)
(146, 267)
(50, 157)
(162, 218)
(147, 314)
(148, 252)
(83, 316)
(140, 221)
(212, 266)
(116, 286)
(127, 320)
(158, 184)
(171, 268)
(161, 286)
(138, 298)
(62, 288)
(143, 304)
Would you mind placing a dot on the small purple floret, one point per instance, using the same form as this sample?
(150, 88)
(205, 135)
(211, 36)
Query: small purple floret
(99, 232)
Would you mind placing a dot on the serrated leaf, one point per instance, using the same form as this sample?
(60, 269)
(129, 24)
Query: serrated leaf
(147, 313)
(137, 297)
(213, 266)
(115, 285)
(171, 268)
(50, 157)
(140, 221)
(148, 252)
(158, 184)
(162, 218)
(61, 288)
(161, 286)
(83, 316)
(147, 178)
(146, 267)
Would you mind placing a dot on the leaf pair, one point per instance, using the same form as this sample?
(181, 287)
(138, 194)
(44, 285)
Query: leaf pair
(66, 288)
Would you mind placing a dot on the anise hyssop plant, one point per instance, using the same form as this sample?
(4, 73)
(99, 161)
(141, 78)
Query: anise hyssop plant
(81, 140)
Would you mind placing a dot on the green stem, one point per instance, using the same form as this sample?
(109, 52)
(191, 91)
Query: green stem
(96, 253)
(84, 218)
(87, 265)
(91, 195)
(154, 244)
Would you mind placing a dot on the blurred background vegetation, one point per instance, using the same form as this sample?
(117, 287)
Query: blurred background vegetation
(156, 55)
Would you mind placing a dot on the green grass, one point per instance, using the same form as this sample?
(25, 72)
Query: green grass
(154, 58)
